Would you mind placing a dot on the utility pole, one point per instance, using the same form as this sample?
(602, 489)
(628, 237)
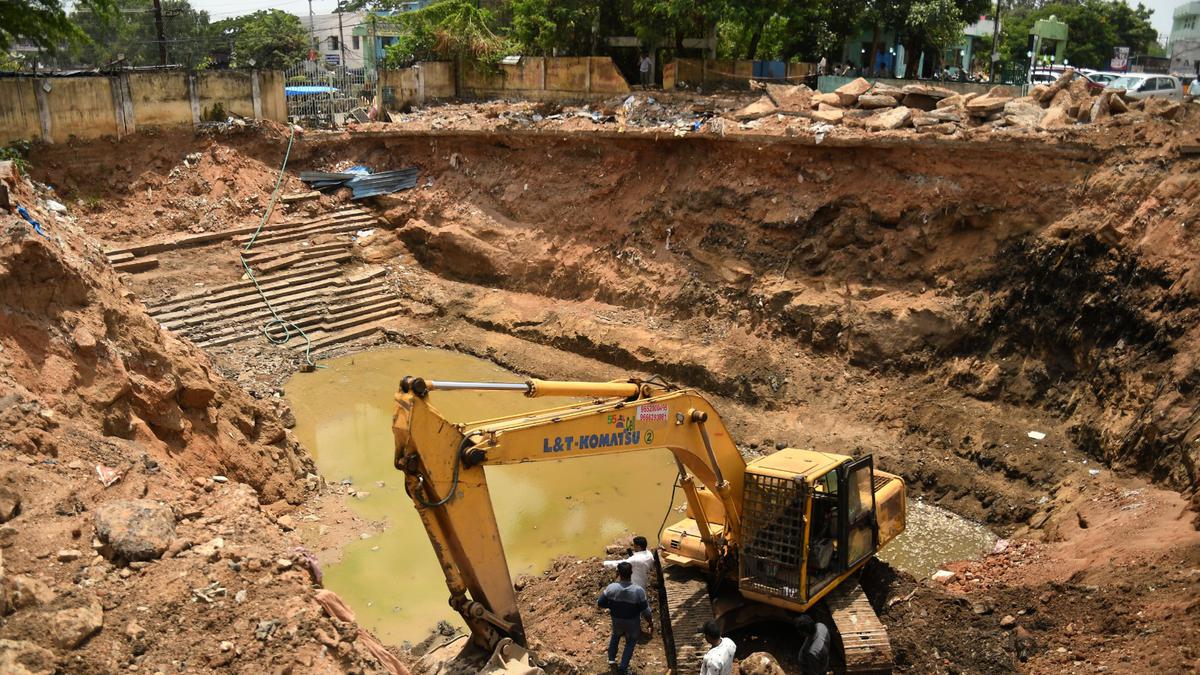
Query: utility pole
(312, 27)
(162, 36)
(378, 71)
(341, 37)
(995, 44)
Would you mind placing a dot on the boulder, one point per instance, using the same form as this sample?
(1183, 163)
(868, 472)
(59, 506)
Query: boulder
(828, 99)
(943, 576)
(760, 108)
(22, 591)
(830, 116)
(18, 657)
(71, 627)
(889, 119)
(10, 503)
(132, 530)
(760, 663)
(931, 91)
(1022, 113)
(874, 101)
(849, 92)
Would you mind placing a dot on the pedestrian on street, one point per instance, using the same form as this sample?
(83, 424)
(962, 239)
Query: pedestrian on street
(719, 659)
(642, 561)
(626, 604)
(814, 650)
(646, 68)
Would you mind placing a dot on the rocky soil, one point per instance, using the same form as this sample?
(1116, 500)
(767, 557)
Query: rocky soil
(927, 300)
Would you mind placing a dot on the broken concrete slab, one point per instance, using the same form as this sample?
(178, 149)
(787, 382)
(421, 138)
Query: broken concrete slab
(890, 119)
(873, 101)
(828, 99)
(880, 89)
(981, 106)
(790, 98)
(928, 90)
(849, 92)
(957, 101)
(833, 116)
(760, 108)
(1056, 118)
(1023, 113)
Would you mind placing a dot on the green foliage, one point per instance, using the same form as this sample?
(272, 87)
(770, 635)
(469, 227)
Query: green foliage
(938, 22)
(16, 152)
(1096, 27)
(446, 30)
(132, 34)
(272, 39)
(546, 27)
(45, 22)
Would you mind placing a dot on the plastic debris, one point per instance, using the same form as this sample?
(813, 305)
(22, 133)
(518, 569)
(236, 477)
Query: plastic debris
(37, 227)
(107, 475)
(1036, 435)
(1094, 472)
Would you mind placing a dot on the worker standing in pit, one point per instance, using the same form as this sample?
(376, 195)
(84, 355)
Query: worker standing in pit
(642, 561)
(814, 651)
(626, 604)
(719, 659)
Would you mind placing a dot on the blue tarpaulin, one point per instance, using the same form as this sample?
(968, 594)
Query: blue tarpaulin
(302, 90)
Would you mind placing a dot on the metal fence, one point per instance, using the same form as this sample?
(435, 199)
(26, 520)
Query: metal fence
(319, 95)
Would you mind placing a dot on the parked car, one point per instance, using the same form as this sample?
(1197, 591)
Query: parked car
(1146, 85)
(1102, 77)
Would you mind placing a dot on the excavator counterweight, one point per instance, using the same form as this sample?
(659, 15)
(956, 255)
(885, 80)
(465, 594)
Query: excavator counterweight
(784, 534)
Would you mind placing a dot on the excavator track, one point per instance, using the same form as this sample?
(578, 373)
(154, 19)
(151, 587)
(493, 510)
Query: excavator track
(863, 636)
(688, 608)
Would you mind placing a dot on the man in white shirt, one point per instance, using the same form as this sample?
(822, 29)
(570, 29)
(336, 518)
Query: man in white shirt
(641, 559)
(719, 659)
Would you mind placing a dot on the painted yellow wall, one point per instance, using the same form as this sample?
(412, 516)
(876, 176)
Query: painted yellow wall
(231, 89)
(18, 110)
(160, 99)
(81, 107)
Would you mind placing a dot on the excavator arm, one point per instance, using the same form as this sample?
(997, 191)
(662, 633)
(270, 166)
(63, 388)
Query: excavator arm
(444, 462)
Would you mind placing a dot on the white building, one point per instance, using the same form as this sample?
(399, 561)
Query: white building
(332, 38)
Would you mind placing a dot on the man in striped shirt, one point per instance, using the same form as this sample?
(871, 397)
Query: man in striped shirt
(626, 604)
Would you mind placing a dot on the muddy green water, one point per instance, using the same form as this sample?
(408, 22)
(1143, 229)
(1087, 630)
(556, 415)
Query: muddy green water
(544, 509)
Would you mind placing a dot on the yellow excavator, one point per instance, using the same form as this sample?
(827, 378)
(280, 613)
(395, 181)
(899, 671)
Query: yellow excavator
(787, 533)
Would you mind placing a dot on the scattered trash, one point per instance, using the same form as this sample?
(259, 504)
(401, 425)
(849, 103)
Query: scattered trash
(220, 479)
(363, 234)
(107, 475)
(1036, 435)
(210, 592)
(56, 207)
(1094, 472)
(820, 131)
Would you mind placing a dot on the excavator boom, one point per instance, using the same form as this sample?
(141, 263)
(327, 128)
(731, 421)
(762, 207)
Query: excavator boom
(786, 532)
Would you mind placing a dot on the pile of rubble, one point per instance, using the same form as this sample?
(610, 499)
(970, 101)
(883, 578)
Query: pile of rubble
(929, 108)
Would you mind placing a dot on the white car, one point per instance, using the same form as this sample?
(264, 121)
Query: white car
(1101, 77)
(1146, 85)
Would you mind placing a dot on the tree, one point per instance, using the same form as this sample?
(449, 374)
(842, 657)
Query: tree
(132, 33)
(1095, 28)
(45, 22)
(269, 39)
(547, 27)
(448, 30)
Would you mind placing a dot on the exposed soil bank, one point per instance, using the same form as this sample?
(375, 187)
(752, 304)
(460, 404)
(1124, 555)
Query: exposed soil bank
(928, 302)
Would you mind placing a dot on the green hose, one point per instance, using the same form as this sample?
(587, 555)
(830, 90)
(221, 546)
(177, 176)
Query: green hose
(277, 323)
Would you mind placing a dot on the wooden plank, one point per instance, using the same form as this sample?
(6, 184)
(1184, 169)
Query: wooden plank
(249, 299)
(242, 315)
(299, 197)
(119, 257)
(137, 265)
(307, 232)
